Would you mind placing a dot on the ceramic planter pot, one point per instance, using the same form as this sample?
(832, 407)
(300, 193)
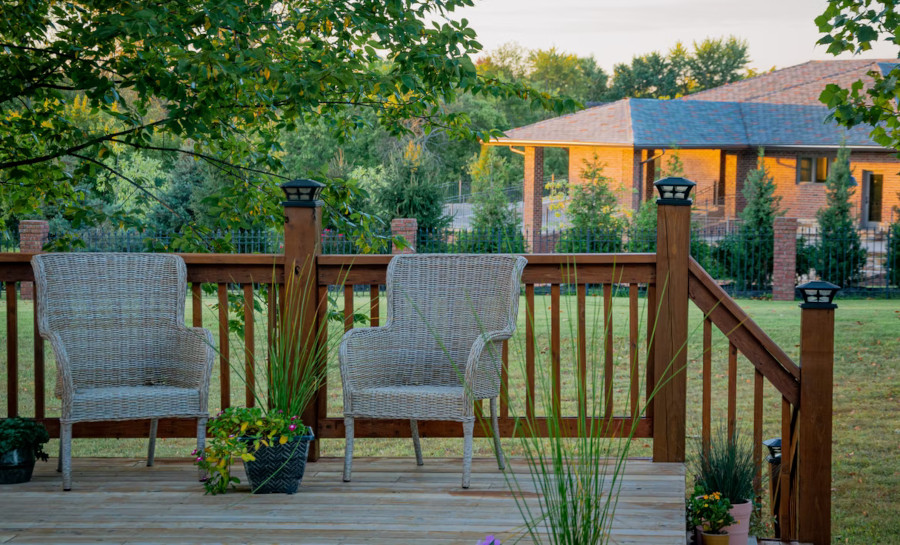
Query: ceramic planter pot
(16, 466)
(278, 469)
(714, 539)
(739, 532)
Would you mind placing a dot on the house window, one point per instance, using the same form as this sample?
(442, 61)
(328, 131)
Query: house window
(812, 169)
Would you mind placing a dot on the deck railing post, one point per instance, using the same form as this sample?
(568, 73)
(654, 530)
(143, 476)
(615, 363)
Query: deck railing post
(673, 248)
(302, 246)
(815, 419)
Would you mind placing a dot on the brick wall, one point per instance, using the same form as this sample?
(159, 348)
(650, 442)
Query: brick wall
(406, 228)
(785, 259)
(622, 164)
(32, 236)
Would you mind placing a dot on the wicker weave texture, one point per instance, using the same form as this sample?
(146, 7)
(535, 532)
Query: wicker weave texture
(116, 326)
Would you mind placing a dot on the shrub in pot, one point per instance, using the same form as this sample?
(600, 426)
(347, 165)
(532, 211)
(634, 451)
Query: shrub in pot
(728, 467)
(21, 443)
(711, 512)
(269, 438)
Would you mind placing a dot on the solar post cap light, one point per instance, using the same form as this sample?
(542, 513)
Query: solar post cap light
(674, 191)
(818, 294)
(302, 192)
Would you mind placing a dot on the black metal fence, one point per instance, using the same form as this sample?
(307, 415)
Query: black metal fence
(106, 240)
(861, 261)
(9, 241)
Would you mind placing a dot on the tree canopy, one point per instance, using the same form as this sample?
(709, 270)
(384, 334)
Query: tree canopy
(221, 81)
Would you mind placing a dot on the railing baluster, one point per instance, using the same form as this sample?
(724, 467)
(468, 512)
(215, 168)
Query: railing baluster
(196, 304)
(224, 361)
(555, 362)
(608, 351)
(348, 307)
(634, 352)
(732, 388)
(582, 389)
(271, 323)
(374, 304)
(40, 380)
(651, 350)
(529, 350)
(12, 351)
(784, 477)
(321, 320)
(249, 347)
(758, 428)
(504, 382)
(706, 404)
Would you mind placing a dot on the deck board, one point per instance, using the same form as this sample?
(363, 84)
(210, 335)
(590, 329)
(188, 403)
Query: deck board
(390, 501)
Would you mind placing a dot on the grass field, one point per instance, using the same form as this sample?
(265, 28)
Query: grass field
(866, 480)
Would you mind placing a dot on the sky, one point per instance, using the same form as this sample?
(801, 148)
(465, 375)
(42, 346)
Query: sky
(780, 32)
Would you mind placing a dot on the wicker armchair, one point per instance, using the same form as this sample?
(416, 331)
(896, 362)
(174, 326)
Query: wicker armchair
(116, 326)
(440, 349)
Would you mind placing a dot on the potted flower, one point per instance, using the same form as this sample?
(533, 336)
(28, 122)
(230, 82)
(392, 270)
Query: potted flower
(269, 438)
(711, 512)
(728, 467)
(21, 443)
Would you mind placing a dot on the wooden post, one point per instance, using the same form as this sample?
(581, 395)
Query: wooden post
(302, 245)
(673, 247)
(814, 456)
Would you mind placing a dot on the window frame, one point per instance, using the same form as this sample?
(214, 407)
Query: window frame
(814, 159)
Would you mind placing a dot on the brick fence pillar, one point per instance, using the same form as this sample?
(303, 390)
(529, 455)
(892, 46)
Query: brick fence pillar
(785, 259)
(32, 237)
(406, 228)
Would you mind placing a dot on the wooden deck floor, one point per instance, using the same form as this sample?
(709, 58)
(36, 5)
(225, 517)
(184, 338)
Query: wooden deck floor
(118, 500)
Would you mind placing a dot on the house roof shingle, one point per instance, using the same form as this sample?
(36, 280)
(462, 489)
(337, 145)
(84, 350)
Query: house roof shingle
(776, 109)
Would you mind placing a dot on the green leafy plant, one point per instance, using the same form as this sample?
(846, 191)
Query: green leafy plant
(893, 257)
(293, 375)
(709, 510)
(16, 433)
(727, 466)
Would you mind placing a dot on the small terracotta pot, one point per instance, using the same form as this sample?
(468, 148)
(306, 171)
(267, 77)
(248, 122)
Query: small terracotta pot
(739, 531)
(714, 539)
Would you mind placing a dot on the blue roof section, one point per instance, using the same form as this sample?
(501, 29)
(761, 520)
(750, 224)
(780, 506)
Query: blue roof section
(886, 67)
(665, 123)
(652, 123)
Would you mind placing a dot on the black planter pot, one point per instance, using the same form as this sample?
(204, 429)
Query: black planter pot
(17, 465)
(278, 469)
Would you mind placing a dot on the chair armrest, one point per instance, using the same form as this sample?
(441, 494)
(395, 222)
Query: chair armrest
(484, 364)
(194, 353)
(367, 355)
(65, 384)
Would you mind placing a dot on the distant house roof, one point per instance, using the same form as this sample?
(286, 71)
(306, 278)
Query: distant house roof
(800, 84)
(778, 109)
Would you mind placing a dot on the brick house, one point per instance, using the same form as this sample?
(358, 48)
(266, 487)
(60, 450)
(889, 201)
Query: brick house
(717, 134)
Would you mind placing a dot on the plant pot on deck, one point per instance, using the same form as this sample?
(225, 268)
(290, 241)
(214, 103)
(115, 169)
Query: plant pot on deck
(714, 539)
(739, 532)
(278, 469)
(17, 465)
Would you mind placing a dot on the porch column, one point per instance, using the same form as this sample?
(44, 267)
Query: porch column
(673, 245)
(302, 246)
(533, 209)
(816, 408)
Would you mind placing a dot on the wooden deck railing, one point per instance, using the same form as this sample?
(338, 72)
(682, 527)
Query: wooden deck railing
(661, 285)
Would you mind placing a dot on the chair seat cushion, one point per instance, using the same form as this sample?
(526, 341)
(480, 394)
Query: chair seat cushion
(413, 402)
(126, 402)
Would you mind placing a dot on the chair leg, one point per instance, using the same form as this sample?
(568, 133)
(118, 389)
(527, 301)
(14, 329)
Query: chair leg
(65, 454)
(201, 441)
(348, 449)
(495, 424)
(468, 432)
(151, 449)
(414, 427)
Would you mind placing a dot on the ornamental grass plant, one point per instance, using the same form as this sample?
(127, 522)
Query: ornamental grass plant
(293, 373)
(727, 466)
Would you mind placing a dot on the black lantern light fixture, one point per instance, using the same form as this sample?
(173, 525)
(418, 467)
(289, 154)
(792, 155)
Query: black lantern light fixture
(674, 191)
(302, 192)
(818, 294)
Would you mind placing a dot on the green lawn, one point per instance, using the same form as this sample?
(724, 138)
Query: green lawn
(867, 397)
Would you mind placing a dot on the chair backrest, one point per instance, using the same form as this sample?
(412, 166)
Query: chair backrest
(114, 312)
(445, 301)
